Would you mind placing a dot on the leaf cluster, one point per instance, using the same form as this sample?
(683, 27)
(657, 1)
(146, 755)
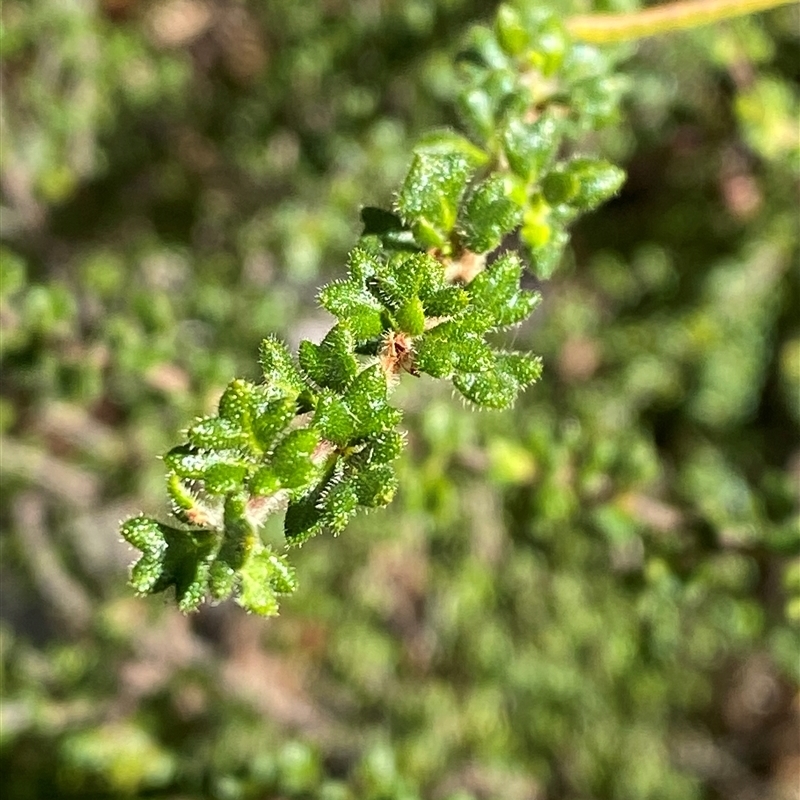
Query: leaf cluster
(426, 284)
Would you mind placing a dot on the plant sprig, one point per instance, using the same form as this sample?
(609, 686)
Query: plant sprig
(426, 283)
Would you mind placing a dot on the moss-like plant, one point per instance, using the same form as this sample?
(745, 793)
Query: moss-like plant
(426, 284)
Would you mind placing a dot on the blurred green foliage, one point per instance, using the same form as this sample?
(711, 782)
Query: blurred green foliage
(595, 595)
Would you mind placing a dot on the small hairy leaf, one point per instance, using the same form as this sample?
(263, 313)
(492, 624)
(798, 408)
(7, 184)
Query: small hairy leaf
(265, 482)
(367, 401)
(432, 191)
(488, 389)
(488, 215)
(380, 448)
(238, 540)
(406, 273)
(283, 578)
(184, 503)
(560, 186)
(330, 364)
(362, 265)
(375, 485)
(497, 291)
(338, 505)
(292, 461)
(598, 182)
(410, 316)
(145, 534)
(272, 419)
(255, 592)
(333, 419)
(280, 373)
(445, 141)
(189, 462)
(472, 353)
(217, 433)
(477, 109)
(434, 355)
(512, 35)
(170, 557)
(531, 146)
(264, 576)
(526, 368)
(224, 477)
(351, 303)
(498, 387)
(237, 403)
(547, 256)
(302, 521)
(446, 302)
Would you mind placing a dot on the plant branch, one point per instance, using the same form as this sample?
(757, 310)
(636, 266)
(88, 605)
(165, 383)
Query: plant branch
(607, 28)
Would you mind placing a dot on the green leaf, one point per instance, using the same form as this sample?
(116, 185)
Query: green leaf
(283, 578)
(477, 108)
(380, 448)
(184, 503)
(237, 403)
(238, 540)
(146, 534)
(488, 215)
(511, 33)
(351, 303)
(272, 419)
(551, 43)
(191, 463)
(303, 519)
(361, 265)
(599, 181)
(432, 191)
(472, 353)
(216, 433)
(375, 485)
(265, 482)
(330, 364)
(280, 373)
(526, 368)
(333, 418)
(546, 257)
(444, 141)
(446, 302)
(497, 290)
(224, 477)
(248, 418)
(483, 50)
(170, 558)
(435, 356)
(339, 504)
(407, 276)
(498, 387)
(488, 389)
(292, 461)
(366, 399)
(560, 186)
(255, 592)
(410, 316)
(264, 576)
(531, 146)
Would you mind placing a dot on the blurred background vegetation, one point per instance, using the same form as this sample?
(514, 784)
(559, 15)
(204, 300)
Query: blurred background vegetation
(596, 595)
